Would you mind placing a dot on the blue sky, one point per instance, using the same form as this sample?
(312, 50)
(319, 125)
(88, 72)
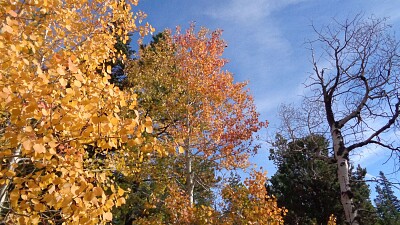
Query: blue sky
(266, 46)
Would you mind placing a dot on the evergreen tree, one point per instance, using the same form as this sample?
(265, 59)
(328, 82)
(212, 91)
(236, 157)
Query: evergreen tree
(307, 185)
(362, 201)
(387, 204)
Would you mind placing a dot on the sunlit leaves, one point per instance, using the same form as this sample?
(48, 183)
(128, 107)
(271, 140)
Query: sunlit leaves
(181, 84)
(198, 113)
(250, 203)
(55, 101)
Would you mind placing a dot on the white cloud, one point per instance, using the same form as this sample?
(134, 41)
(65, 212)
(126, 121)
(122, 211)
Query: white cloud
(245, 11)
(368, 156)
(251, 23)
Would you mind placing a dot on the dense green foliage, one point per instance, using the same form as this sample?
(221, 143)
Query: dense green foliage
(306, 184)
(307, 187)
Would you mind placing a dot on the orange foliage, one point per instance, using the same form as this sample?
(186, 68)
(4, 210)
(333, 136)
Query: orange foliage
(198, 103)
(221, 114)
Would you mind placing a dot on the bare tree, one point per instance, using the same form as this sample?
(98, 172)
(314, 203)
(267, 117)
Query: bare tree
(356, 80)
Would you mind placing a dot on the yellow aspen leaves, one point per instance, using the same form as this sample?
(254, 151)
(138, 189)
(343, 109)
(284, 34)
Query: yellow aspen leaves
(73, 68)
(61, 112)
(181, 150)
(77, 83)
(27, 145)
(121, 192)
(61, 70)
(332, 220)
(107, 216)
(148, 125)
(7, 28)
(39, 148)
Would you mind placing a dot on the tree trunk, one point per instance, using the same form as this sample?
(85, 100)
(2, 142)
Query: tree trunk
(189, 176)
(5, 187)
(343, 170)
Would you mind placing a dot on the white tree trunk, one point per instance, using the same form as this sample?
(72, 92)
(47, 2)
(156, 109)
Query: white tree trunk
(189, 177)
(5, 187)
(343, 170)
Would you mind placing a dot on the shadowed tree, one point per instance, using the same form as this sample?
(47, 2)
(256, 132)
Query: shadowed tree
(306, 186)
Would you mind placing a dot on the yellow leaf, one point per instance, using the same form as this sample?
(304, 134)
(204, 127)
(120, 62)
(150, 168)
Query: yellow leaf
(79, 77)
(63, 82)
(39, 207)
(61, 70)
(148, 125)
(98, 191)
(107, 216)
(39, 148)
(88, 196)
(138, 141)
(28, 129)
(53, 144)
(71, 66)
(122, 103)
(77, 83)
(121, 191)
(34, 219)
(44, 112)
(109, 69)
(66, 201)
(9, 173)
(27, 145)
(52, 151)
(25, 61)
(33, 37)
(7, 28)
(120, 202)
(114, 121)
(181, 150)
(14, 195)
(132, 105)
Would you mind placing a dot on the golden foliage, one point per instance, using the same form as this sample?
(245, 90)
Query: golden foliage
(55, 101)
(251, 204)
(332, 220)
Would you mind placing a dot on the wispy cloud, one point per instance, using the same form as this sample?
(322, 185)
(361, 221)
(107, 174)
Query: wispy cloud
(254, 18)
(368, 156)
(261, 46)
(244, 11)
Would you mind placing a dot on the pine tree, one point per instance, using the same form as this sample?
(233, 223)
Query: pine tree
(362, 201)
(307, 185)
(387, 204)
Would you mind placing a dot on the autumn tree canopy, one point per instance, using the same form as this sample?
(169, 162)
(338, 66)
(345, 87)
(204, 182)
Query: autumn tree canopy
(68, 134)
(195, 105)
(56, 101)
